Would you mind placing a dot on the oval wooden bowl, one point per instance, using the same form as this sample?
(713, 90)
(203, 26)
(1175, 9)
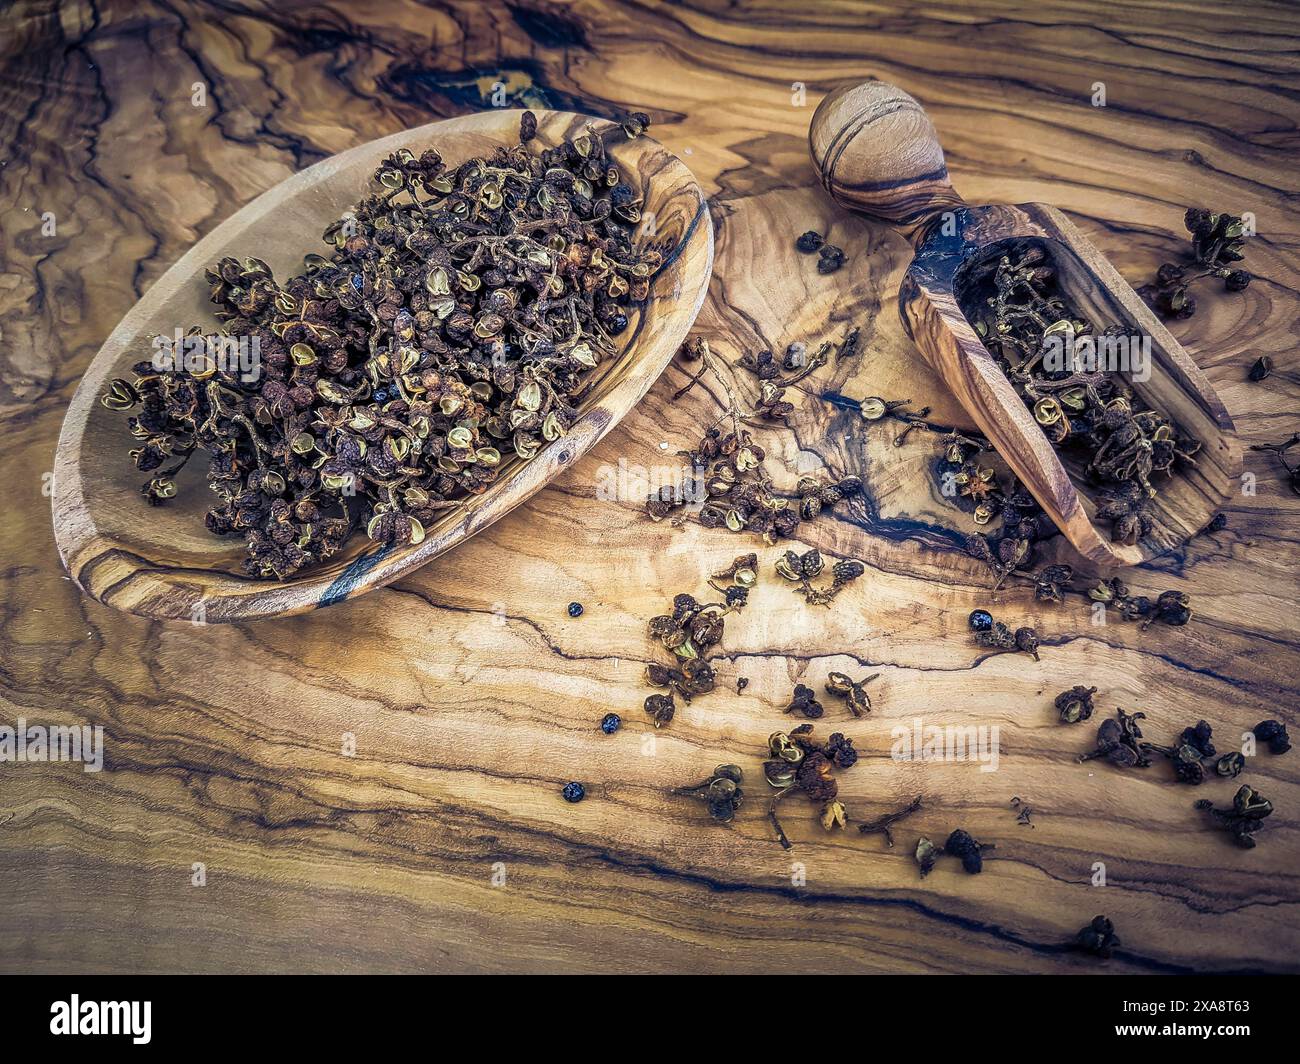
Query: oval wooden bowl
(162, 562)
(878, 154)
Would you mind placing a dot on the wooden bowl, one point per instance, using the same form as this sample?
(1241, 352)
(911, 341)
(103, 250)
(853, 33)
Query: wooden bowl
(162, 562)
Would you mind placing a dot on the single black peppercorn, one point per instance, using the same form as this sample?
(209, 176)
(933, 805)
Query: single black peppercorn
(1274, 733)
(831, 259)
(610, 723)
(810, 242)
(575, 609)
(981, 620)
(1075, 705)
(574, 792)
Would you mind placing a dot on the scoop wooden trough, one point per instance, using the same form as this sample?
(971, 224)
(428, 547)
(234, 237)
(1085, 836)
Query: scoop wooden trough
(161, 561)
(877, 153)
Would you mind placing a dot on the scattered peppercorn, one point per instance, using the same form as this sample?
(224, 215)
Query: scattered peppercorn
(721, 791)
(804, 568)
(854, 692)
(1000, 637)
(830, 259)
(1274, 733)
(575, 609)
(1120, 741)
(1261, 369)
(574, 792)
(805, 702)
(799, 763)
(1075, 705)
(981, 620)
(1027, 640)
(927, 853)
(1217, 242)
(810, 242)
(962, 845)
(610, 723)
(1244, 819)
(661, 708)
(1098, 938)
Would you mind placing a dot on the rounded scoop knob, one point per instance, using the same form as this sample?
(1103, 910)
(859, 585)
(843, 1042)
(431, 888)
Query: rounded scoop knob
(877, 153)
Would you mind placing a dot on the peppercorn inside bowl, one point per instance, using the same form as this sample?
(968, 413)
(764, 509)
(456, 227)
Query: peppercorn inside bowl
(286, 420)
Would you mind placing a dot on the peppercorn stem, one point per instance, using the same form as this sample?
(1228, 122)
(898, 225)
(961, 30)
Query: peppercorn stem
(776, 823)
(883, 824)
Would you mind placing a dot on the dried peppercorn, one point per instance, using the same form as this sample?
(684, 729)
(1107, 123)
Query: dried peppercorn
(691, 629)
(804, 701)
(574, 792)
(1230, 765)
(961, 844)
(799, 763)
(830, 259)
(810, 242)
(1075, 705)
(610, 723)
(1051, 584)
(1120, 742)
(660, 709)
(1097, 938)
(1217, 241)
(804, 568)
(734, 490)
(964, 847)
(1000, 637)
(1200, 737)
(1273, 732)
(1244, 819)
(1027, 640)
(927, 855)
(854, 692)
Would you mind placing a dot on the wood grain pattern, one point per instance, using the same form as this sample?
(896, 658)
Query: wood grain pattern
(162, 563)
(877, 153)
(472, 696)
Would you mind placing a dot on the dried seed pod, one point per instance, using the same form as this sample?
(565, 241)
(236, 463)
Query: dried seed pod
(1075, 705)
(660, 709)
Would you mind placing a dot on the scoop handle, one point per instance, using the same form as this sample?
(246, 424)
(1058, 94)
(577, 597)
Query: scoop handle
(878, 154)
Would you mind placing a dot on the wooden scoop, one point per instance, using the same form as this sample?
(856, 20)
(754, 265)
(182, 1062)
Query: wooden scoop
(877, 153)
